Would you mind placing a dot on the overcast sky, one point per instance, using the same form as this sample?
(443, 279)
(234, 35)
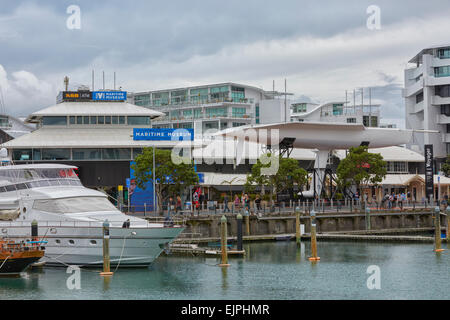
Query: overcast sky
(321, 47)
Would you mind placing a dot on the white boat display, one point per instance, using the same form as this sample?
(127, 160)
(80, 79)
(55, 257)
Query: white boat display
(70, 218)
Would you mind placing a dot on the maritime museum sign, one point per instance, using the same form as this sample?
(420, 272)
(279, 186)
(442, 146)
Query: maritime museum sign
(163, 134)
(109, 95)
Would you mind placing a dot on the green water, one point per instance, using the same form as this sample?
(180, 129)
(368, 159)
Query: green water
(275, 270)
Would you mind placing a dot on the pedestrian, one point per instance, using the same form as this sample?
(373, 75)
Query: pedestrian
(258, 203)
(170, 206)
(225, 203)
(236, 202)
(178, 206)
(247, 202)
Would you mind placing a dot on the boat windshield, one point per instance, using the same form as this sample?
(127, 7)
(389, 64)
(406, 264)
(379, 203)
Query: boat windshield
(74, 205)
(26, 175)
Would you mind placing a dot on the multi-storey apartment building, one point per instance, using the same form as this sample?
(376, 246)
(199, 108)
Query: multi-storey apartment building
(427, 99)
(214, 106)
(368, 115)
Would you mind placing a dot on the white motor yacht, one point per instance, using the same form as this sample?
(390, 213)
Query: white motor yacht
(70, 218)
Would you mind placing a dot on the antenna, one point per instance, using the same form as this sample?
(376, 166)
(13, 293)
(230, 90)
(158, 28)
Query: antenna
(114, 81)
(92, 79)
(66, 82)
(103, 80)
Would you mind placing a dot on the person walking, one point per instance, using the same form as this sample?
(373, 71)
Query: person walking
(258, 203)
(225, 204)
(178, 205)
(236, 203)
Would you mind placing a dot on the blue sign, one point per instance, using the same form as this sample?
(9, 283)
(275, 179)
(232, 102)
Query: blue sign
(163, 134)
(128, 182)
(201, 177)
(109, 95)
(141, 199)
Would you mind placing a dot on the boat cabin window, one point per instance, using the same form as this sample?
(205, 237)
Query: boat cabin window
(74, 205)
(27, 175)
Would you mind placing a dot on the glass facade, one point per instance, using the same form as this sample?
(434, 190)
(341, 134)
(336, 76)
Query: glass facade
(216, 112)
(116, 154)
(55, 154)
(138, 120)
(442, 91)
(219, 93)
(237, 94)
(445, 109)
(444, 53)
(178, 97)
(54, 121)
(442, 71)
(199, 95)
(397, 167)
(86, 154)
(299, 108)
(238, 112)
(338, 109)
(160, 99)
(142, 100)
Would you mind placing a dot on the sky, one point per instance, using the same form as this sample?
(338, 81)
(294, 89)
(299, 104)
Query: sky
(322, 48)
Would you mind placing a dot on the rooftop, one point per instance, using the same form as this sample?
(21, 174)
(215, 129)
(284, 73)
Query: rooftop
(93, 108)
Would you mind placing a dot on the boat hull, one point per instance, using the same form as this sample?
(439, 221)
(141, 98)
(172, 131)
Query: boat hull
(83, 246)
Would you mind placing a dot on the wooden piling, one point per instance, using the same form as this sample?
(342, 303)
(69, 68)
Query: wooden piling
(106, 258)
(247, 222)
(314, 256)
(297, 227)
(367, 218)
(223, 242)
(239, 232)
(437, 230)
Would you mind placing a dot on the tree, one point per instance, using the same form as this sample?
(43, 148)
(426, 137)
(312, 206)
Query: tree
(361, 168)
(171, 178)
(289, 173)
(446, 166)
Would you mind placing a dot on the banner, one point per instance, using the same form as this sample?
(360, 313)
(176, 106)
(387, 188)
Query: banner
(109, 95)
(163, 134)
(429, 171)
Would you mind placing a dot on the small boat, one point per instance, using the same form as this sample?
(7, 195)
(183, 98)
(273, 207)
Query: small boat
(16, 257)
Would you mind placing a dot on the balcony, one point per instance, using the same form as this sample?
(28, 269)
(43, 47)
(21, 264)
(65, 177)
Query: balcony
(437, 100)
(414, 89)
(418, 107)
(442, 119)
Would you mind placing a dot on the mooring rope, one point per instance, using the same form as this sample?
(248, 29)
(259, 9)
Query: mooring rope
(5, 260)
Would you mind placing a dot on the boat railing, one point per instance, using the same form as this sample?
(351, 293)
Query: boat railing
(154, 223)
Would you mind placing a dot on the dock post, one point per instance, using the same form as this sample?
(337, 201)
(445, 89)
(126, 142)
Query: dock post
(247, 222)
(297, 227)
(239, 232)
(106, 259)
(437, 230)
(447, 233)
(314, 256)
(367, 218)
(34, 230)
(223, 235)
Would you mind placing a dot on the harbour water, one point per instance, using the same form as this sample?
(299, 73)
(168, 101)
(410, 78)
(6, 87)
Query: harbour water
(270, 270)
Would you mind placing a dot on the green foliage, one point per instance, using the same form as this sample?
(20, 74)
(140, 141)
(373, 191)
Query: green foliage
(289, 173)
(446, 166)
(171, 178)
(360, 168)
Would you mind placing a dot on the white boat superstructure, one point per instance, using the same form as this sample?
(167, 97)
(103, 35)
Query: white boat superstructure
(70, 218)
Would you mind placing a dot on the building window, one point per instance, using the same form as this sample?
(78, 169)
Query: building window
(93, 119)
(199, 95)
(373, 121)
(86, 154)
(419, 97)
(448, 148)
(397, 167)
(116, 154)
(216, 112)
(72, 119)
(444, 53)
(338, 109)
(79, 120)
(136, 120)
(442, 91)
(22, 154)
(238, 112)
(115, 120)
(238, 124)
(299, 107)
(55, 154)
(351, 120)
(86, 119)
(443, 71)
(54, 121)
(178, 97)
(107, 119)
(101, 119)
(198, 113)
(142, 100)
(445, 109)
(237, 94)
(121, 119)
